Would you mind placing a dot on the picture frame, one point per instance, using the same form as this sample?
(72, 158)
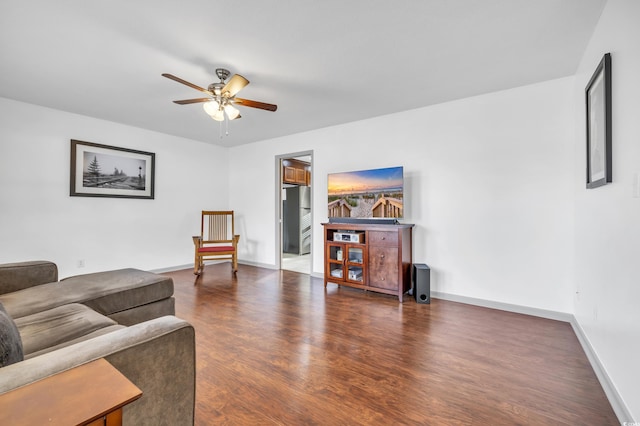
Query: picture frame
(109, 171)
(598, 110)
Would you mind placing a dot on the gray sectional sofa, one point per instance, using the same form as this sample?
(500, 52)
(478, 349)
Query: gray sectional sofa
(125, 316)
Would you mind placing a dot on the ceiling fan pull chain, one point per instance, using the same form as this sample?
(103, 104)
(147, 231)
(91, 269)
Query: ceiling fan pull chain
(226, 121)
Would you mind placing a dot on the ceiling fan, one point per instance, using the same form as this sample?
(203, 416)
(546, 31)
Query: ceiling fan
(222, 96)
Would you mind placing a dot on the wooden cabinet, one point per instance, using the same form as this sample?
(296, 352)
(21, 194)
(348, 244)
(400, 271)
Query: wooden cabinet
(296, 172)
(289, 174)
(375, 257)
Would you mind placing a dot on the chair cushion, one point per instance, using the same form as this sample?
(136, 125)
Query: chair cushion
(10, 342)
(59, 325)
(215, 249)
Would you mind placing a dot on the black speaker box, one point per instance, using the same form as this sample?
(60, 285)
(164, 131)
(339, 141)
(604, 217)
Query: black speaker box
(421, 283)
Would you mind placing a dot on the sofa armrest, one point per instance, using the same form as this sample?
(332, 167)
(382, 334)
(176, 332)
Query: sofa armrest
(21, 275)
(158, 356)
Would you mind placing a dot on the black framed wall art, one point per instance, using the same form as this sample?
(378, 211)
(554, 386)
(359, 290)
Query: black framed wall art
(109, 171)
(598, 103)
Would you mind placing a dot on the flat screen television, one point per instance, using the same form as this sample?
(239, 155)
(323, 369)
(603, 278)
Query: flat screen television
(366, 194)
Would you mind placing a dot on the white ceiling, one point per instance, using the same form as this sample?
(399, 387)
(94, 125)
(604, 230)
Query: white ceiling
(322, 62)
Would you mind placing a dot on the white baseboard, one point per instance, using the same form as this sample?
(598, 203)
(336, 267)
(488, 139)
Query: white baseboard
(172, 268)
(258, 264)
(543, 313)
(211, 262)
(616, 401)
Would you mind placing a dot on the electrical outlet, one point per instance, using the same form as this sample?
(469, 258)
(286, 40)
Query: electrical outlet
(81, 263)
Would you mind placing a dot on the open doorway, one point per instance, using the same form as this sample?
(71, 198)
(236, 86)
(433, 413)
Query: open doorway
(295, 213)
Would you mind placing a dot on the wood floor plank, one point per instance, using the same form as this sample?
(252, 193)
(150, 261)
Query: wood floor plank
(277, 348)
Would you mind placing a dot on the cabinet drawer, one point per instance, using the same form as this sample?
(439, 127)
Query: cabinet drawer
(383, 238)
(383, 267)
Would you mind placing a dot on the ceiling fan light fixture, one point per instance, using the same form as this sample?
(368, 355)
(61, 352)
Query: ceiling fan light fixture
(232, 112)
(211, 107)
(218, 116)
(221, 97)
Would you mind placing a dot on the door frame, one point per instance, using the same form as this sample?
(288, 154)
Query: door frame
(278, 197)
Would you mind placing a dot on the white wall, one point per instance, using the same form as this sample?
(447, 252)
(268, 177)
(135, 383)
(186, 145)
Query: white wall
(489, 187)
(39, 220)
(608, 218)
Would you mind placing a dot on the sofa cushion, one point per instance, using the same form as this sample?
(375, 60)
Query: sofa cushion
(100, 332)
(59, 325)
(106, 292)
(10, 341)
(16, 276)
(145, 312)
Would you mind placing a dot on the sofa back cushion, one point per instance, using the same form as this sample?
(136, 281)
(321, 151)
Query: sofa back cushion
(17, 276)
(10, 341)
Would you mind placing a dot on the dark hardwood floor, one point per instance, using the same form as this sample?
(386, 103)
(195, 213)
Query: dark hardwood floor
(276, 348)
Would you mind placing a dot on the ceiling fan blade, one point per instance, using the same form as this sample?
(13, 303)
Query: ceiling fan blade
(186, 83)
(234, 85)
(255, 104)
(192, 101)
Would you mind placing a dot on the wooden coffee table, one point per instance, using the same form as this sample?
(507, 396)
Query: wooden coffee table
(91, 394)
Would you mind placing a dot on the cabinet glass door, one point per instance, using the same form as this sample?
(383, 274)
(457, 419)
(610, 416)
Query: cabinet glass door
(355, 264)
(336, 256)
(336, 253)
(345, 262)
(336, 271)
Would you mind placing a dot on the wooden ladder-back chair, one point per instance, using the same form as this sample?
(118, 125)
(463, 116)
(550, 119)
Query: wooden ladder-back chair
(217, 240)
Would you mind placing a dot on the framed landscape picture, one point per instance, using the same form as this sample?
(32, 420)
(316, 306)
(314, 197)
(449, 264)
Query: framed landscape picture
(598, 102)
(109, 171)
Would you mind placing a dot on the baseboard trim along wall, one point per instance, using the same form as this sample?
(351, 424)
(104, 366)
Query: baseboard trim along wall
(172, 268)
(543, 313)
(258, 264)
(211, 262)
(616, 401)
